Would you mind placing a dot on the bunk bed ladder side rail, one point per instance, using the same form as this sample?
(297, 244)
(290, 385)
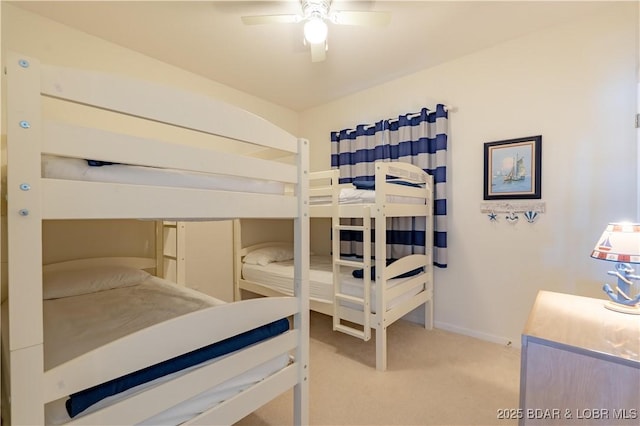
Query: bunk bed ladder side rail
(24, 236)
(338, 296)
(301, 286)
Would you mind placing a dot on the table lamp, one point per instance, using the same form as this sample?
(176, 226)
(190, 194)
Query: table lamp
(620, 243)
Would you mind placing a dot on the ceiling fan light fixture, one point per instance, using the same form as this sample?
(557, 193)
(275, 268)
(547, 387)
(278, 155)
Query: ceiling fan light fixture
(315, 30)
(315, 16)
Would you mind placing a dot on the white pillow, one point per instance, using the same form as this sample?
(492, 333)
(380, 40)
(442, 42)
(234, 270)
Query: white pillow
(267, 255)
(74, 282)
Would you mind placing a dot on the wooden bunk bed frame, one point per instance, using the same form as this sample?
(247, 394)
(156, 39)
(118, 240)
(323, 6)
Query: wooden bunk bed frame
(32, 199)
(324, 185)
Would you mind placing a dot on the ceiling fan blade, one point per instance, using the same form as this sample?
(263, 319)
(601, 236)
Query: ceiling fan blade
(271, 19)
(364, 18)
(318, 51)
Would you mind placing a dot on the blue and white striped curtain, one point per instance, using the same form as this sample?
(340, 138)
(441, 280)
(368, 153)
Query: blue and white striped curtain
(419, 139)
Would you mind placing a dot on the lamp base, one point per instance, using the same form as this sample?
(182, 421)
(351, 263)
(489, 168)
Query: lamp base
(633, 310)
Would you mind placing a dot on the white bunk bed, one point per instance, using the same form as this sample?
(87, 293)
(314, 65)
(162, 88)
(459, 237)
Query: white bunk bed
(32, 383)
(370, 304)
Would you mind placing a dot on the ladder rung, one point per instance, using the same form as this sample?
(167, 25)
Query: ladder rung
(348, 298)
(353, 263)
(350, 330)
(350, 227)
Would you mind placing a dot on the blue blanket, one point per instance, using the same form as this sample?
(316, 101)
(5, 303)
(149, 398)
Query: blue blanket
(371, 184)
(80, 401)
(97, 163)
(359, 273)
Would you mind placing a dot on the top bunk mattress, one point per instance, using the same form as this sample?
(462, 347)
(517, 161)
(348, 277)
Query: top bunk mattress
(56, 167)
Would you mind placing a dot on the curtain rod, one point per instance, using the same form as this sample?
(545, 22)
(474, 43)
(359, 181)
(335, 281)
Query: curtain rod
(446, 108)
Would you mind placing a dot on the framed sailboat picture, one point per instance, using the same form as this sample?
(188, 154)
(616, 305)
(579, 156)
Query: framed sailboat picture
(512, 169)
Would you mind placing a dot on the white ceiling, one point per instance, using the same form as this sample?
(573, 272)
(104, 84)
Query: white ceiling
(271, 62)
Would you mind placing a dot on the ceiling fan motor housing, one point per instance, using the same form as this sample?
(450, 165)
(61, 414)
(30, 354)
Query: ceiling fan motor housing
(315, 8)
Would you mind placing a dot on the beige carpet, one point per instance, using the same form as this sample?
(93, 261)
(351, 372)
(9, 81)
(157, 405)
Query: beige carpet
(433, 378)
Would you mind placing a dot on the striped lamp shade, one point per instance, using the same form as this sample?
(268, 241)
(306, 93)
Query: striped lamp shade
(620, 242)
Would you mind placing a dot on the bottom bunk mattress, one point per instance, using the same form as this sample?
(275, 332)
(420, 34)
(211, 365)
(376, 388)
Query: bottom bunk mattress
(87, 308)
(278, 275)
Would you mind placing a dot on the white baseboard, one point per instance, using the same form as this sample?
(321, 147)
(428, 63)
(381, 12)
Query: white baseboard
(477, 334)
(417, 316)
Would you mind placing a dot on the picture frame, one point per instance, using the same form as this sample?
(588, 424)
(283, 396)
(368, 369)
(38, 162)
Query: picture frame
(512, 169)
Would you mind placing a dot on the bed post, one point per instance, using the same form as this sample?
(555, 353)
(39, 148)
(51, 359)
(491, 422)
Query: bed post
(301, 286)
(428, 249)
(237, 261)
(159, 272)
(24, 236)
(380, 261)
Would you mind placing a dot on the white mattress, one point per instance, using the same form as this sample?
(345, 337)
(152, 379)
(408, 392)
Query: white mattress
(78, 169)
(279, 276)
(74, 325)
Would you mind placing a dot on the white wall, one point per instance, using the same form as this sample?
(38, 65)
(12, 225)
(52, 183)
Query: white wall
(209, 258)
(575, 85)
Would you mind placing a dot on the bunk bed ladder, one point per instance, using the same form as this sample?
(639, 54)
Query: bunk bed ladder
(171, 259)
(338, 296)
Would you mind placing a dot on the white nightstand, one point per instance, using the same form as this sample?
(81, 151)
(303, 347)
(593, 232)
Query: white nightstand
(580, 363)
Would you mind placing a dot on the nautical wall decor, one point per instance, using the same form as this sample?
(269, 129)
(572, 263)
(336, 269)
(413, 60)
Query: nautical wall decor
(530, 210)
(512, 217)
(531, 216)
(512, 169)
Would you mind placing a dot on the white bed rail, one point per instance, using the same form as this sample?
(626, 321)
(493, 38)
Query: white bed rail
(393, 196)
(60, 201)
(323, 184)
(145, 404)
(406, 264)
(131, 262)
(400, 170)
(69, 140)
(386, 191)
(159, 103)
(149, 344)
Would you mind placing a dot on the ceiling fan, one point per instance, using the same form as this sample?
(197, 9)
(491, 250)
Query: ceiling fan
(315, 15)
